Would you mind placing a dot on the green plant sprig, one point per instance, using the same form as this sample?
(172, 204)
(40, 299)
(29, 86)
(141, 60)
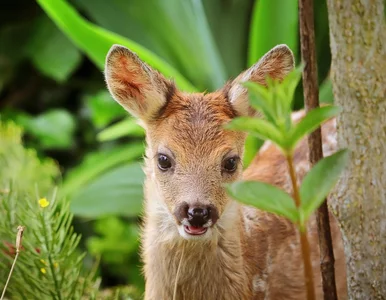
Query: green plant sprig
(274, 102)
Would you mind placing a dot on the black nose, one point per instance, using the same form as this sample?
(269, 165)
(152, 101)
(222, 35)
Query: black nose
(198, 216)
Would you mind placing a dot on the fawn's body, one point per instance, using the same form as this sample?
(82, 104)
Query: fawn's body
(198, 243)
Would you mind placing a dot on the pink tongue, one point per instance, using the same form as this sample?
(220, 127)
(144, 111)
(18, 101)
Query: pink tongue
(194, 229)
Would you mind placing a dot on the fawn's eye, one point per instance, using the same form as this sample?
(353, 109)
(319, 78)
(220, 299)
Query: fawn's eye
(164, 162)
(230, 164)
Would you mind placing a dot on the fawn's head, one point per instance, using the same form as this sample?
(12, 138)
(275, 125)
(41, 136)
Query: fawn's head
(189, 154)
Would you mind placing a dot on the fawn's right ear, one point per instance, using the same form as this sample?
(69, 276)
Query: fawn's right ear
(276, 63)
(140, 90)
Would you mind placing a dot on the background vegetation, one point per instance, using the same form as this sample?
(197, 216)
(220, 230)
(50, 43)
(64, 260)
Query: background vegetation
(51, 86)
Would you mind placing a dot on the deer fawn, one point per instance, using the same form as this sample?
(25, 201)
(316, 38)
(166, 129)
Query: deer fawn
(197, 243)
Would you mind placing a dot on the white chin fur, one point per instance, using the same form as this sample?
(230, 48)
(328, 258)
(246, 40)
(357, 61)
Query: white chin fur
(202, 237)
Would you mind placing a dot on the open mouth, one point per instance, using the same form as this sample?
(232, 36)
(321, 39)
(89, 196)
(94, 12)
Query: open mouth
(193, 230)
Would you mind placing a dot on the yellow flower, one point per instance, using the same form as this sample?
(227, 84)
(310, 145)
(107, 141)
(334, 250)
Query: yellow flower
(43, 262)
(43, 202)
(43, 270)
(56, 265)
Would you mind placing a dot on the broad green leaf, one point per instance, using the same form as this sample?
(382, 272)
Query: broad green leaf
(320, 180)
(117, 192)
(288, 87)
(265, 197)
(96, 41)
(260, 99)
(103, 109)
(175, 30)
(251, 147)
(273, 22)
(326, 94)
(258, 127)
(322, 40)
(97, 163)
(127, 127)
(311, 121)
(54, 128)
(52, 52)
(228, 22)
(111, 232)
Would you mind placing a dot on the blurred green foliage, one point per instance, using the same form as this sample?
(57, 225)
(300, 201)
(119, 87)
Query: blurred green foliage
(50, 264)
(51, 83)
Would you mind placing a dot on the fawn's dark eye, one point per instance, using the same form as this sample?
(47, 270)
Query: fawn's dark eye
(230, 164)
(164, 162)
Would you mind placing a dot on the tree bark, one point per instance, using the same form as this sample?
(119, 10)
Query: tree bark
(358, 46)
(311, 101)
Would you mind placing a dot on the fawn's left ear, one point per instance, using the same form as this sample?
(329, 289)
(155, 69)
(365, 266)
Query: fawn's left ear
(276, 64)
(141, 90)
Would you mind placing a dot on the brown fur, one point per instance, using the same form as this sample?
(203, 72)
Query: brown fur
(248, 253)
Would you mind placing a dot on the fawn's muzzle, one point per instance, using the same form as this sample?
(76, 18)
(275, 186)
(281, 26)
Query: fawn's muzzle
(196, 215)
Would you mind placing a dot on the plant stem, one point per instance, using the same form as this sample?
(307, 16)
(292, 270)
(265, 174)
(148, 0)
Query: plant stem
(20, 230)
(293, 180)
(308, 274)
(311, 100)
(306, 254)
(9, 275)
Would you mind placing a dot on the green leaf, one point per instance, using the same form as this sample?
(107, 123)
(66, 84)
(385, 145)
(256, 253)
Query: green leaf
(117, 239)
(320, 180)
(311, 121)
(251, 147)
(288, 86)
(96, 41)
(265, 197)
(52, 52)
(229, 23)
(326, 94)
(103, 108)
(97, 163)
(127, 127)
(175, 30)
(117, 192)
(54, 129)
(260, 99)
(258, 127)
(273, 22)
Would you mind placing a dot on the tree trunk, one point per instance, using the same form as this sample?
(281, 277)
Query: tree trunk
(358, 73)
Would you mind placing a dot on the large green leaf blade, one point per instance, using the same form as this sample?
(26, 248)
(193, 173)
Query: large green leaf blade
(320, 180)
(55, 128)
(117, 192)
(175, 30)
(98, 163)
(265, 197)
(326, 94)
(258, 127)
(126, 127)
(273, 22)
(102, 108)
(52, 52)
(311, 121)
(96, 41)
